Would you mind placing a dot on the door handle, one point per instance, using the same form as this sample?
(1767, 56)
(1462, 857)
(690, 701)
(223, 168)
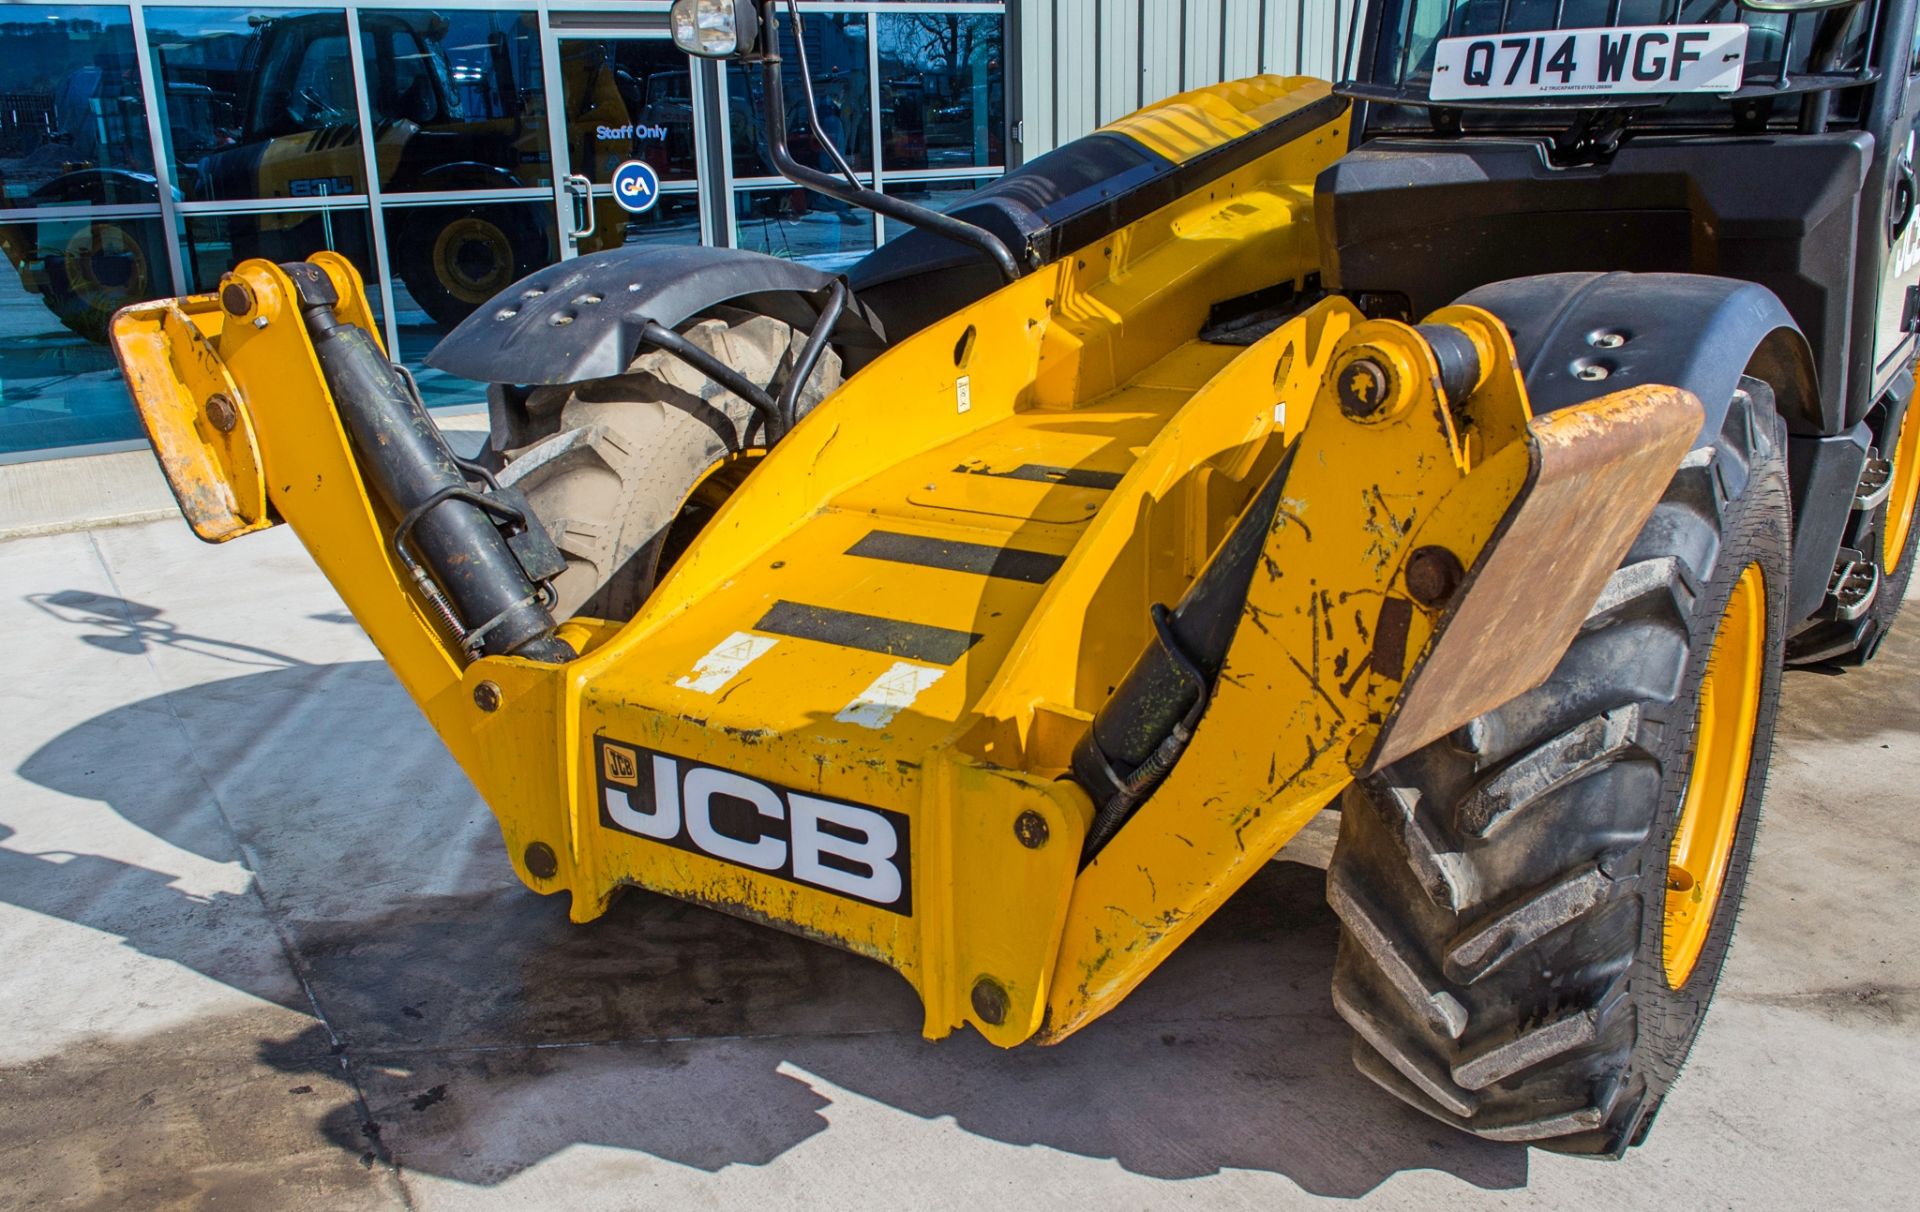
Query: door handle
(582, 190)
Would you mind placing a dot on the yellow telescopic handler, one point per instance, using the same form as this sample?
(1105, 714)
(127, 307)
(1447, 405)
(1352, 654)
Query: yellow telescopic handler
(997, 608)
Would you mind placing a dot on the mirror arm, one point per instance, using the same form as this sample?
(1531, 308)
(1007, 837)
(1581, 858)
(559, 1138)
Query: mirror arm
(945, 226)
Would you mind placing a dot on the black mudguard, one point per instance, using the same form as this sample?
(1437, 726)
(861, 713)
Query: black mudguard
(1677, 330)
(582, 319)
(1703, 334)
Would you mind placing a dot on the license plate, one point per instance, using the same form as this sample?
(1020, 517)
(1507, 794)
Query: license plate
(1626, 60)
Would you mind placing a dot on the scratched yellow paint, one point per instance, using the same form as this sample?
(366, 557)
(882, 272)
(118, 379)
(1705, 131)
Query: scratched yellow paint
(1092, 363)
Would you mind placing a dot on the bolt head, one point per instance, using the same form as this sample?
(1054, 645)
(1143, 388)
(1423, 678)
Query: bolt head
(486, 696)
(1031, 828)
(541, 862)
(1364, 386)
(1434, 575)
(222, 413)
(236, 297)
(990, 1001)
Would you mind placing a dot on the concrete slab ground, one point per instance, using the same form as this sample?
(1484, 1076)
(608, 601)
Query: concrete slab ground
(117, 487)
(261, 949)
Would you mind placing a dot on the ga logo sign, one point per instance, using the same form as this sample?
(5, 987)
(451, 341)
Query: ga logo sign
(636, 187)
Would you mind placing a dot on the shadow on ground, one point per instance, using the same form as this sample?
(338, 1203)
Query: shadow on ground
(486, 1033)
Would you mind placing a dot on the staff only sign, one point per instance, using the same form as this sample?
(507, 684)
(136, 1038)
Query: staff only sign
(636, 187)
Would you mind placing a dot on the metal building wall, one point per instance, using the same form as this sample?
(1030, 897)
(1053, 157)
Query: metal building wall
(1087, 62)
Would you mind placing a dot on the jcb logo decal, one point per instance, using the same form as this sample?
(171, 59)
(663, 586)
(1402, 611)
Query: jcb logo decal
(849, 849)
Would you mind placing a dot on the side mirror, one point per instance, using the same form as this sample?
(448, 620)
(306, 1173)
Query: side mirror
(714, 29)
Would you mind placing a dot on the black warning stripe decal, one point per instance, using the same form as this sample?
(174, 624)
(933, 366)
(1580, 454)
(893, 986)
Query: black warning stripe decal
(1072, 477)
(982, 559)
(870, 633)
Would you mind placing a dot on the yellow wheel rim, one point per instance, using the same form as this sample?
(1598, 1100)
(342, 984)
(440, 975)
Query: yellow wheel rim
(1905, 494)
(1717, 785)
(107, 245)
(473, 259)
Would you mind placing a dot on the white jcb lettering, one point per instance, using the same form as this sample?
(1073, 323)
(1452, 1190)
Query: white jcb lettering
(842, 848)
(874, 851)
(664, 821)
(766, 853)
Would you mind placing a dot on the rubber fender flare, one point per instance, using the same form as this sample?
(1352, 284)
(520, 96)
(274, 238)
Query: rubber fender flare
(581, 319)
(1679, 330)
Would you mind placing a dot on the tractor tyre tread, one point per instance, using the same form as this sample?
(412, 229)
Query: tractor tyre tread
(622, 455)
(1500, 890)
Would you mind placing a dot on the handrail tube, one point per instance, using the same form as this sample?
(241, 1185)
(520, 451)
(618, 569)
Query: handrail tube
(957, 230)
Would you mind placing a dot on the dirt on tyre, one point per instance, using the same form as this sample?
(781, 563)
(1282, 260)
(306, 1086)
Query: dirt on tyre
(624, 471)
(1535, 911)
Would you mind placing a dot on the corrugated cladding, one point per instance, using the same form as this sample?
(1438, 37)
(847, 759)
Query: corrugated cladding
(1086, 62)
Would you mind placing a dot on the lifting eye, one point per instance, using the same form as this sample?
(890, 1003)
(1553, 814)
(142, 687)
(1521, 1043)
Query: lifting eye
(963, 349)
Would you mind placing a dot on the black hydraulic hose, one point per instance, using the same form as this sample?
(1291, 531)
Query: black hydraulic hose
(1140, 732)
(810, 355)
(407, 463)
(1146, 723)
(945, 226)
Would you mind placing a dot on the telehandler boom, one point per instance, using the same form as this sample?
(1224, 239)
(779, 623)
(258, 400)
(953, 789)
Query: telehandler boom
(997, 610)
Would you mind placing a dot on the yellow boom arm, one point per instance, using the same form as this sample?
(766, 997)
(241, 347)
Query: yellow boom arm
(852, 708)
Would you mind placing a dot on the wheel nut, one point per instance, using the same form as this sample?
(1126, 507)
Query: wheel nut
(1031, 828)
(222, 413)
(1364, 387)
(990, 1001)
(1434, 575)
(486, 696)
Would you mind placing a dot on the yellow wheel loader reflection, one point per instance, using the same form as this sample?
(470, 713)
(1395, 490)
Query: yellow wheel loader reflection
(290, 130)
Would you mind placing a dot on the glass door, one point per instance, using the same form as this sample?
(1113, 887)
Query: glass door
(626, 95)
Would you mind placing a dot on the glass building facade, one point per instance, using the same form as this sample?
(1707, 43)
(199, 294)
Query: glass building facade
(146, 148)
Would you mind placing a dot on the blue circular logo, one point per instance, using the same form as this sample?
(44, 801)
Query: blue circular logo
(636, 187)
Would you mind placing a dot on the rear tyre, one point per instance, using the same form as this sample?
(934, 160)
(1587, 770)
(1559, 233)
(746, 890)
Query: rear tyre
(624, 471)
(1535, 911)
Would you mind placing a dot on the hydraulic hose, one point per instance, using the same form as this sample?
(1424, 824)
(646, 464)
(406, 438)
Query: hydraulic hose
(1140, 732)
(409, 466)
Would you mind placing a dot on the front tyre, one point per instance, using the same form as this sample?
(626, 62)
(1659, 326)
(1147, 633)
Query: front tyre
(1535, 911)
